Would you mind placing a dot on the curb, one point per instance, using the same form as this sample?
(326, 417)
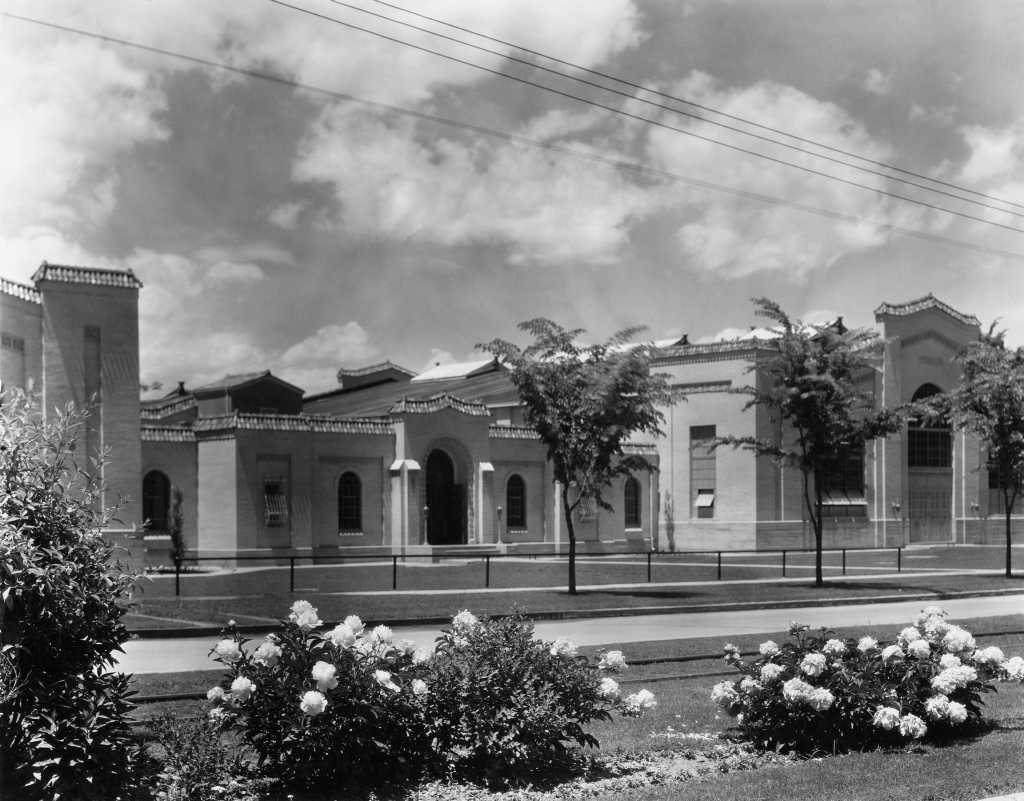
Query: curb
(576, 614)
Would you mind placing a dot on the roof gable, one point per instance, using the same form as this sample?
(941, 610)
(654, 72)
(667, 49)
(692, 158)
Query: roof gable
(922, 304)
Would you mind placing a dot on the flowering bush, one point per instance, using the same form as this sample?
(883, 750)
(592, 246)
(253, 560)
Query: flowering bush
(820, 693)
(319, 707)
(502, 703)
(492, 702)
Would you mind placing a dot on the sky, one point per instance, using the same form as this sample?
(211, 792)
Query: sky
(279, 227)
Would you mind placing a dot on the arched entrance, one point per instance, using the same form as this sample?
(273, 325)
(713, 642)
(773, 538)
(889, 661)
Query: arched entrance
(929, 476)
(446, 501)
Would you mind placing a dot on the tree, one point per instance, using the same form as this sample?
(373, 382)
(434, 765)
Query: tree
(811, 377)
(989, 402)
(585, 401)
(64, 731)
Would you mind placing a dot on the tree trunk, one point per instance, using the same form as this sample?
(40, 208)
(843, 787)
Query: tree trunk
(814, 513)
(567, 509)
(1009, 500)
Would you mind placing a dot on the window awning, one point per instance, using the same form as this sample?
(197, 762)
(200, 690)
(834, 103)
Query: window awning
(274, 503)
(705, 500)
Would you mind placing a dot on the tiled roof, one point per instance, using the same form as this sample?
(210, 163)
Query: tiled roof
(163, 407)
(23, 291)
(167, 434)
(437, 402)
(498, 431)
(371, 369)
(929, 301)
(291, 422)
(457, 370)
(72, 274)
(238, 380)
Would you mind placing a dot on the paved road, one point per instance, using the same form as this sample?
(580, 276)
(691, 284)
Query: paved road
(170, 656)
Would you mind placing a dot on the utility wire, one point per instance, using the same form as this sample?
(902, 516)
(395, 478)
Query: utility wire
(640, 169)
(694, 104)
(648, 120)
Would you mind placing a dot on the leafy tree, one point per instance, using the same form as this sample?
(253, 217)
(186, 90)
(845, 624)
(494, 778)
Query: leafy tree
(989, 402)
(811, 377)
(175, 524)
(585, 401)
(63, 729)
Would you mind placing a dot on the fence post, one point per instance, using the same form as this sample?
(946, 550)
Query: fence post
(291, 574)
(648, 567)
(783, 562)
(899, 558)
(719, 565)
(844, 561)
(487, 570)
(177, 576)
(394, 572)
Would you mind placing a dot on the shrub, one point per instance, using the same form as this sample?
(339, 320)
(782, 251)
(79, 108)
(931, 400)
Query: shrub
(822, 694)
(64, 730)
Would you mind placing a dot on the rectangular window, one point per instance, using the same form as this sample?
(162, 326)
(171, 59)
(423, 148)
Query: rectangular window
(275, 502)
(843, 490)
(996, 500)
(929, 447)
(702, 471)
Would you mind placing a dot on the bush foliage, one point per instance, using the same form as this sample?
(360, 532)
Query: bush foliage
(63, 724)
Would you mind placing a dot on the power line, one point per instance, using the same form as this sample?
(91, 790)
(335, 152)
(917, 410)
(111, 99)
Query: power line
(641, 169)
(649, 121)
(694, 104)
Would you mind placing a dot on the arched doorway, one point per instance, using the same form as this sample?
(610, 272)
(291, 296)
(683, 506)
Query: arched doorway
(446, 501)
(929, 475)
(156, 498)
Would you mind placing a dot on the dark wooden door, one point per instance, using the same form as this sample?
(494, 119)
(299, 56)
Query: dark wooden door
(446, 502)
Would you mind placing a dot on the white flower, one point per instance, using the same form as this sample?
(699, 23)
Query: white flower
(947, 661)
(912, 726)
(954, 678)
(886, 718)
(303, 614)
(216, 713)
(935, 629)
(768, 648)
(929, 613)
(957, 713)
(268, 653)
(891, 652)
(420, 655)
(991, 656)
(608, 688)
(325, 675)
(563, 646)
(750, 685)
(1013, 668)
(770, 672)
(638, 702)
(834, 647)
(865, 644)
(354, 623)
(382, 634)
(342, 636)
(732, 653)
(956, 640)
(937, 707)
(821, 699)
(228, 650)
(813, 664)
(465, 621)
(313, 703)
(919, 649)
(612, 660)
(419, 687)
(383, 678)
(908, 635)
(724, 694)
(215, 694)
(796, 691)
(241, 689)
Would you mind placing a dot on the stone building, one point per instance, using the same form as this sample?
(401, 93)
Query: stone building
(395, 462)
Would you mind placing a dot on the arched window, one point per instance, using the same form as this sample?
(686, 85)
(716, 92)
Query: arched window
(631, 502)
(156, 497)
(350, 503)
(515, 501)
(929, 442)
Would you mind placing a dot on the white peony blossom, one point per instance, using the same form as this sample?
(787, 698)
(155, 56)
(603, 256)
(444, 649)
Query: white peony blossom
(420, 656)
(241, 689)
(957, 640)
(304, 615)
(947, 661)
(886, 718)
(796, 691)
(912, 726)
(612, 660)
(865, 644)
(354, 623)
(768, 648)
(724, 694)
(1013, 669)
(419, 688)
(563, 646)
(821, 699)
(770, 672)
(990, 656)
(750, 685)
(732, 653)
(382, 634)
(639, 702)
(834, 647)
(228, 650)
(954, 678)
(928, 613)
(937, 707)
(608, 688)
(313, 703)
(919, 649)
(892, 652)
(325, 676)
(465, 621)
(908, 635)
(383, 678)
(957, 713)
(267, 653)
(215, 694)
(342, 636)
(813, 664)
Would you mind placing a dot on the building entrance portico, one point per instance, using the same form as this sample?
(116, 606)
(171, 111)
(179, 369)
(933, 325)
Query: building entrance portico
(446, 501)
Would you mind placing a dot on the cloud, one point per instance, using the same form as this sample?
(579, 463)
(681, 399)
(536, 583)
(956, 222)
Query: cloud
(943, 116)
(313, 362)
(877, 82)
(994, 153)
(287, 214)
